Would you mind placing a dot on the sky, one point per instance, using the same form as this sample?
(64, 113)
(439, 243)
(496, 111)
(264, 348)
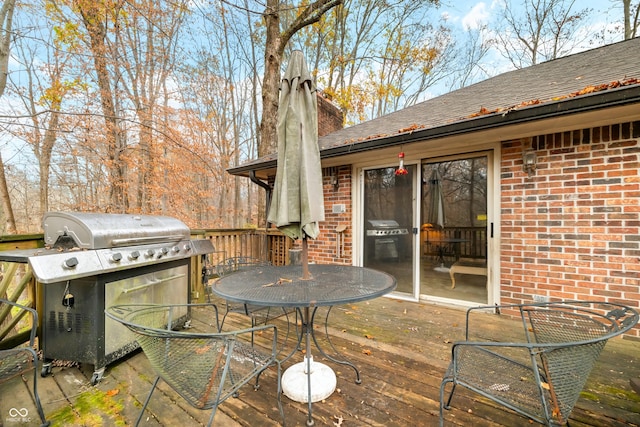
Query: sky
(474, 13)
(462, 15)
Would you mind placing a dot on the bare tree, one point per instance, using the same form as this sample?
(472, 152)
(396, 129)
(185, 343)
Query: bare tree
(538, 30)
(144, 54)
(276, 41)
(6, 20)
(377, 57)
(467, 58)
(631, 19)
(95, 15)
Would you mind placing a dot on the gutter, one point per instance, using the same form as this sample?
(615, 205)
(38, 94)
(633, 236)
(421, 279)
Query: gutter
(596, 101)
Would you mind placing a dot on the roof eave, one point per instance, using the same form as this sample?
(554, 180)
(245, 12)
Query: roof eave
(585, 103)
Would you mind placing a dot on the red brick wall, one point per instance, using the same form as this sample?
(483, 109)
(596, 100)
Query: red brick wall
(572, 229)
(325, 249)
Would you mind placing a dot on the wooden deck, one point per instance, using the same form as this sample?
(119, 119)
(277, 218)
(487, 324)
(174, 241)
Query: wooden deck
(401, 348)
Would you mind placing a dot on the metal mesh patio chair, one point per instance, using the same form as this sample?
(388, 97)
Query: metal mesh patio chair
(259, 315)
(542, 376)
(234, 265)
(19, 360)
(187, 350)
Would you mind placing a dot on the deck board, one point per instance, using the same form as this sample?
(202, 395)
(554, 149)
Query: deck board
(401, 348)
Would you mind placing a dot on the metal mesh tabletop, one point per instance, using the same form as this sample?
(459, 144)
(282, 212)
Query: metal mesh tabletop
(284, 286)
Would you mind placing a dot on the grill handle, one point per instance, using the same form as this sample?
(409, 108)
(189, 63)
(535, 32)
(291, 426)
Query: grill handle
(142, 240)
(154, 283)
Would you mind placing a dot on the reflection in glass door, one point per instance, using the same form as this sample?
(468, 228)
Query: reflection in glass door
(453, 232)
(388, 223)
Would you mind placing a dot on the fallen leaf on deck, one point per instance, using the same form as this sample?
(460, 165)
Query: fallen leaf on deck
(202, 350)
(366, 351)
(113, 392)
(369, 337)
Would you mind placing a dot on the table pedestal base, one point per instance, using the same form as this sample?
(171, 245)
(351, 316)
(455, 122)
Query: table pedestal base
(295, 382)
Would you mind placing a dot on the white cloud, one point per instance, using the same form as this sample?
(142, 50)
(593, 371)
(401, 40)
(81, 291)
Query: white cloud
(477, 16)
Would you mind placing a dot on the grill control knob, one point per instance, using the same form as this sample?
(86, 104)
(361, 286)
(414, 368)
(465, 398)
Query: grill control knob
(117, 257)
(163, 252)
(175, 249)
(70, 263)
(149, 253)
(134, 255)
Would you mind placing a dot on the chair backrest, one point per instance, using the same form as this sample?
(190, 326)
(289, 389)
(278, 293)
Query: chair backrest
(9, 320)
(235, 264)
(202, 367)
(14, 361)
(580, 332)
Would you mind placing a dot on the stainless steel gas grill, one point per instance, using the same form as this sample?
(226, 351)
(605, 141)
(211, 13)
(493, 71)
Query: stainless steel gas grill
(93, 261)
(383, 238)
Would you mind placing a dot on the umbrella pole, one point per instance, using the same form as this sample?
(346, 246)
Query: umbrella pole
(305, 259)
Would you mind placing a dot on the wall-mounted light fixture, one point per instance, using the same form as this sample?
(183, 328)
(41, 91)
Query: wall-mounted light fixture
(529, 161)
(332, 174)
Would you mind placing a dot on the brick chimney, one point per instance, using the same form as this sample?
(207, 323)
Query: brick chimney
(330, 118)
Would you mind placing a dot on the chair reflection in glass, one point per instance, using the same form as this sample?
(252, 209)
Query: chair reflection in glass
(436, 245)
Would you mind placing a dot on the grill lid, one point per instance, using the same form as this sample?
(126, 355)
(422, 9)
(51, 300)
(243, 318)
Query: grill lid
(383, 223)
(100, 231)
(87, 244)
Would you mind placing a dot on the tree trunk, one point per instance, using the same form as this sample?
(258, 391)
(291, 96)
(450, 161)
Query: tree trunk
(93, 21)
(50, 136)
(10, 220)
(271, 81)
(274, 48)
(6, 19)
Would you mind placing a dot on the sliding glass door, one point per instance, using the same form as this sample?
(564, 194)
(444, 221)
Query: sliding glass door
(453, 231)
(388, 209)
(428, 228)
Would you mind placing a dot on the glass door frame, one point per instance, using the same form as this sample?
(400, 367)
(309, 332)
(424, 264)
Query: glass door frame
(492, 208)
(360, 227)
(492, 152)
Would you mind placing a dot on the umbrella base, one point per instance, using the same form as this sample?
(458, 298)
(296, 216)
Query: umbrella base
(295, 382)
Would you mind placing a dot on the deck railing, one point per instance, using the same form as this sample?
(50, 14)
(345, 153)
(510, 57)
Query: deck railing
(17, 283)
(470, 242)
(271, 245)
(267, 245)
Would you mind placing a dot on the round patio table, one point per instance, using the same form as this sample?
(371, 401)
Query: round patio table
(329, 285)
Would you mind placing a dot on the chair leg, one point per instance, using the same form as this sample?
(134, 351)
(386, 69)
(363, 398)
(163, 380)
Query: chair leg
(213, 414)
(280, 408)
(443, 405)
(36, 397)
(153, 387)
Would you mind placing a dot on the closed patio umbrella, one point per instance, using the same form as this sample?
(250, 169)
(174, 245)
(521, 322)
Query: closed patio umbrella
(436, 203)
(298, 204)
(436, 215)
